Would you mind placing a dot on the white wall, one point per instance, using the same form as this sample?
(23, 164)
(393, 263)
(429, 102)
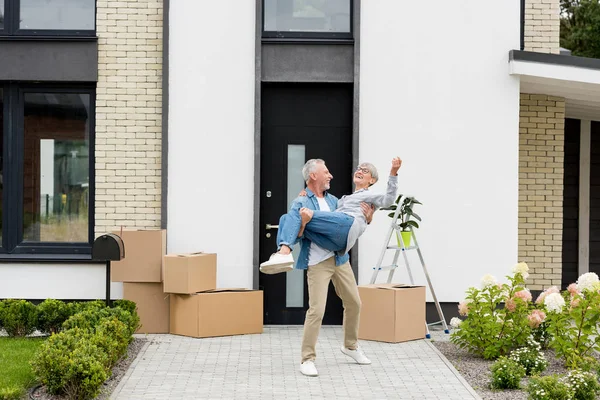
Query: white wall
(211, 133)
(56, 281)
(435, 90)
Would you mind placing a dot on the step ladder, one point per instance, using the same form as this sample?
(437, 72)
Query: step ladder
(395, 228)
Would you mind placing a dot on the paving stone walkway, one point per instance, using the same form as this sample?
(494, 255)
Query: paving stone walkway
(266, 367)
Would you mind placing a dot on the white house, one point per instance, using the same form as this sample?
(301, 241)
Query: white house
(204, 113)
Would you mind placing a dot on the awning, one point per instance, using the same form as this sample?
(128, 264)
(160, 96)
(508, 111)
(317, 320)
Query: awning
(577, 79)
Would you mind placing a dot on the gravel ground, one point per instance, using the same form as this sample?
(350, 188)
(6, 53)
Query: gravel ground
(476, 371)
(110, 385)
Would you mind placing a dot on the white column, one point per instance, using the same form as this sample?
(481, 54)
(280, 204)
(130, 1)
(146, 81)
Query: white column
(584, 197)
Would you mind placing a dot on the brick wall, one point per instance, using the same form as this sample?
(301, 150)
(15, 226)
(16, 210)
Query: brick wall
(128, 114)
(541, 156)
(542, 26)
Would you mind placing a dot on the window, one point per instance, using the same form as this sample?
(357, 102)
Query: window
(48, 201)
(48, 17)
(311, 19)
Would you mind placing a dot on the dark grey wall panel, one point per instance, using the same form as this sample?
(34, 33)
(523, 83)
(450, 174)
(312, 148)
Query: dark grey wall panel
(307, 62)
(49, 61)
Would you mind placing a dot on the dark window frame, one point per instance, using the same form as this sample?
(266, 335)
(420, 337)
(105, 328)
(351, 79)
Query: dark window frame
(305, 35)
(12, 15)
(13, 245)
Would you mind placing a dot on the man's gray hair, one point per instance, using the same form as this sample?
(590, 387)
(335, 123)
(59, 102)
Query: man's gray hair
(371, 169)
(310, 167)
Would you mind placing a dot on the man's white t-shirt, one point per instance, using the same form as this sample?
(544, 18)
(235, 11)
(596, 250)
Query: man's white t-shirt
(318, 254)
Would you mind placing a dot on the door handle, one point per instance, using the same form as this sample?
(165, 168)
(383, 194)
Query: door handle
(269, 226)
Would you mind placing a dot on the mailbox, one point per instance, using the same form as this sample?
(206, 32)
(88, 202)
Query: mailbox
(108, 247)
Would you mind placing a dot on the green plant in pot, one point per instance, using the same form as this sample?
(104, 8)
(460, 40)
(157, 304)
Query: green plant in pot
(407, 218)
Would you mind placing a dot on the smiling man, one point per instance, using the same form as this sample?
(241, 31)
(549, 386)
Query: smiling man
(329, 263)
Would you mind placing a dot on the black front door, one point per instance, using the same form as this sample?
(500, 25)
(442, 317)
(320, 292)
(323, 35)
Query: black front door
(299, 122)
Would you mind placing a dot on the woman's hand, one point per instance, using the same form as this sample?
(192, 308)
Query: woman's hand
(396, 163)
(302, 193)
(368, 211)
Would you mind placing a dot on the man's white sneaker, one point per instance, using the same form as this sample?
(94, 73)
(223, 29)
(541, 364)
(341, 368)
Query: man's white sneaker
(277, 263)
(357, 355)
(308, 368)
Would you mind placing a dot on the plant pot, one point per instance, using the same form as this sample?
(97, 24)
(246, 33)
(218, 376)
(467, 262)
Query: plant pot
(406, 235)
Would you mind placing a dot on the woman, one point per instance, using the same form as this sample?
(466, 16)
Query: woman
(335, 231)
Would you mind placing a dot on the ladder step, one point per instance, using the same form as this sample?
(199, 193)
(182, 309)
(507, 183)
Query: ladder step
(386, 267)
(400, 248)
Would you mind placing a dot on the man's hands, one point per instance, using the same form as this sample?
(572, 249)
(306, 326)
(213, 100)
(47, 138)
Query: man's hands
(396, 163)
(368, 210)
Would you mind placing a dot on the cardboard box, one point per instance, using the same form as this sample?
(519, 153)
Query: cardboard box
(152, 304)
(190, 273)
(219, 312)
(392, 312)
(144, 251)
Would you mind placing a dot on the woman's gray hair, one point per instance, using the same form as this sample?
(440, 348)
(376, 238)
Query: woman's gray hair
(371, 169)
(310, 167)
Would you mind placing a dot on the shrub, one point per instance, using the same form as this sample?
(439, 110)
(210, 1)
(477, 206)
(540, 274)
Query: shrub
(51, 315)
(11, 393)
(548, 388)
(584, 385)
(530, 358)
(69, 363)
(19, 317)
(489, 330)
(112, 336)
(506, 374)
(89, 319)
(126, 305)
(572, 319)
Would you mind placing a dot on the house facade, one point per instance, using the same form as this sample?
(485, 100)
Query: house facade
(197, 117)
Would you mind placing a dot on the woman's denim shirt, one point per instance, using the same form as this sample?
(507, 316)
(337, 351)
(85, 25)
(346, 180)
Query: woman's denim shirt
(310, 201)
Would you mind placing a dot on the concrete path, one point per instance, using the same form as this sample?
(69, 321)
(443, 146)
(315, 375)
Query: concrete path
(266, 367)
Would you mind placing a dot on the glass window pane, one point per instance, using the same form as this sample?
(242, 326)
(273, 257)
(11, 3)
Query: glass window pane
(307, 15)
(1, 18)
(56, 174)
(58, 14)
(294, 293)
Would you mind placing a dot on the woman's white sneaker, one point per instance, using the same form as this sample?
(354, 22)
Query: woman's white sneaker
(357, 355)
(277, 263)
(308, 368)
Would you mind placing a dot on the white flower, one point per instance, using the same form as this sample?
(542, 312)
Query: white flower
(487, 281)
(587, 281)
(521, 268)
(554, 302)
(455, 322)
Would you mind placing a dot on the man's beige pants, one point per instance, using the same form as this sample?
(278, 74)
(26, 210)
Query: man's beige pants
(344, 282)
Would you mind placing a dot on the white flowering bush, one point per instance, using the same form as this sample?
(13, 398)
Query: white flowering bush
(455, 323)
(572, 320)
(506, 374)
(490, 330)
(584, 385)
(530, 357)
(549, 388)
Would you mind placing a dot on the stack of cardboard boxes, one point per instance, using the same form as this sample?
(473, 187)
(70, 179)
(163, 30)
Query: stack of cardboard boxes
(177, 293)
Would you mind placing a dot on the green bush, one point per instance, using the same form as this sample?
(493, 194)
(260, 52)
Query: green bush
(11, 393)
(583, 384)
(19, 317)
(51, 315)
(126, 305)
(531, 358)
(1, 314)
(548, 388)
(69, 363)
(506, 374)
(89, 319)
(112, 337)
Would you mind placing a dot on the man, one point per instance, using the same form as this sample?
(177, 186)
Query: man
(325, 266)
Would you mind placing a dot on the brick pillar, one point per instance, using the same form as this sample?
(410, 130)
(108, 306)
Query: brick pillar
(542, 26)
(541, 158)
(128, 114)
